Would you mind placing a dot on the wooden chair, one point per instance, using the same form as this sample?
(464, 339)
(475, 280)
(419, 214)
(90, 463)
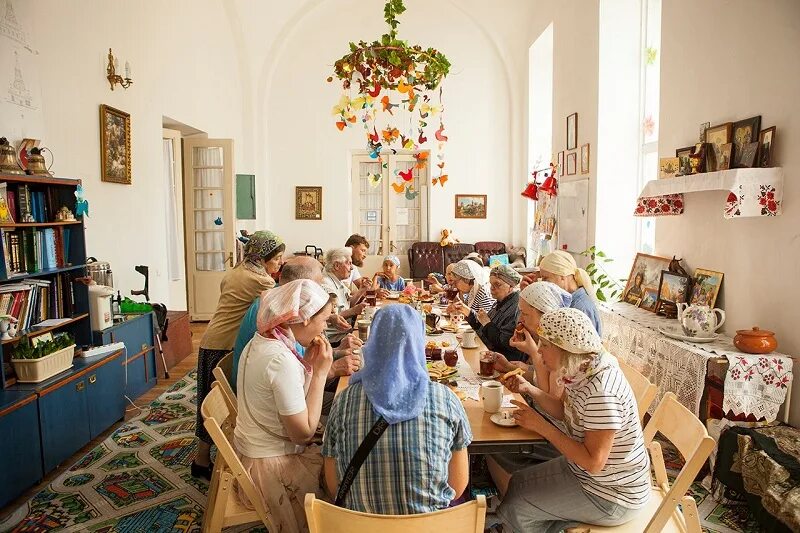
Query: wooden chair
(643, 390)
(689, 436)
(223, 508)
(222, 373)
(325, 517)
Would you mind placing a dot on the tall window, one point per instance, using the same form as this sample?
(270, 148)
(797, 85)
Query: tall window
(650, 89)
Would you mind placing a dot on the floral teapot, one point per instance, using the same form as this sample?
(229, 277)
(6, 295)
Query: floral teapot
(699, 320)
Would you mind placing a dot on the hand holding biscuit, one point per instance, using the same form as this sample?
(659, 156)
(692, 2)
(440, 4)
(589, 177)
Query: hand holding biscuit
(523, 341)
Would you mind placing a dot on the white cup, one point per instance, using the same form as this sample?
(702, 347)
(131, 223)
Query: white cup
(369, 312)
(469, 340)
(492, 396)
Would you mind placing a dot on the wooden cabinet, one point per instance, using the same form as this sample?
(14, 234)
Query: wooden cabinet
(140, 361)
(20, 447)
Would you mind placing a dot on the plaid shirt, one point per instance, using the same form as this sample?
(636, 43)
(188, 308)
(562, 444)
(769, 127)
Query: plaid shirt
(407, 470)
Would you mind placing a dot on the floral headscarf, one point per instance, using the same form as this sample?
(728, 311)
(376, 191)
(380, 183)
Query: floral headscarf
(259, 245)
(470, 270)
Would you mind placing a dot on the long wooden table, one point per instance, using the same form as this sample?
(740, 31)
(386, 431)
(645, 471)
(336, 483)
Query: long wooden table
(487, 437)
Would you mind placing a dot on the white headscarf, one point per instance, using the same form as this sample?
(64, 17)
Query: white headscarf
(570, 330)
(562, 263)
(546, 296)
(470, 270)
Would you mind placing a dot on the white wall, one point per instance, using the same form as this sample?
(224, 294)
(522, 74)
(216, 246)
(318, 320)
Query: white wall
(710, 72)
(180, 69)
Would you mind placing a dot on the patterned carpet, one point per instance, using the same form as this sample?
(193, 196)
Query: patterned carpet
(138, 480)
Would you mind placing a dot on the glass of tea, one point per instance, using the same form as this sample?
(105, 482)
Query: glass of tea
(450, 357)
(452, 293)
(487, 364)
(372, 297)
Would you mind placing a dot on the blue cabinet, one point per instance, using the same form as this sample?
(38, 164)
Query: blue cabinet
(105, 401)
(20, 448)
(140, 360)
(64, 419)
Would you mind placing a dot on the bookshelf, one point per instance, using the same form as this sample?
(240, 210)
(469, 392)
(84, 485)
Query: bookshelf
(40, 261)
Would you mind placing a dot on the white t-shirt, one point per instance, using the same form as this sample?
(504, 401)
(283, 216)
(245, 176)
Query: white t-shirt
(605, 401)
(273, 382)
(334, 285)
(355, 274)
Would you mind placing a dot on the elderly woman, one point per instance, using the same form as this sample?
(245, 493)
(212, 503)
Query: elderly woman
(496, 328)
(419, 464)
(280, 400)
(388, 279)
(560, 268)
(240, 286)
(435, 283)
(338, 267)
(470, 280)
(603, 476)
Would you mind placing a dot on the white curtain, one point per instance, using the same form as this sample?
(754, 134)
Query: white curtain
(174, 263)
(209, 180)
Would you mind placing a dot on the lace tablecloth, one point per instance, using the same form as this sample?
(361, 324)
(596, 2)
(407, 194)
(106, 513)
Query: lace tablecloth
(754, 384)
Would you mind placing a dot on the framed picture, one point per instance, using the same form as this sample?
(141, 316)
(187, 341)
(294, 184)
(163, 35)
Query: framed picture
(683, 160)
(697, 161)
(585, 158)
(308, 203)
(115, 145)
(765, 144)
(706, 287)
(748, 155)
(572, 131)
(724, 161)
(645, 276)
(703, 128)
(717, 137)
(561, 163)
(673, 287)
(744, 132)
(572, 163)
(668, 167)
(470, 206)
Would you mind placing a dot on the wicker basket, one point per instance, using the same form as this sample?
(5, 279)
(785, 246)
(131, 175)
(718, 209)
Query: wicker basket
(36, 370)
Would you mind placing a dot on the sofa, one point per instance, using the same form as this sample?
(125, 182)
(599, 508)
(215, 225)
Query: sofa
(427, 257)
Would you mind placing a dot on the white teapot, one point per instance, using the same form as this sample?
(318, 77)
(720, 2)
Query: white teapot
(699, 320)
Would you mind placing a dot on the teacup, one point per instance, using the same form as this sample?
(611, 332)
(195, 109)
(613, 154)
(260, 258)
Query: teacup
(470, 339)
(492, 396)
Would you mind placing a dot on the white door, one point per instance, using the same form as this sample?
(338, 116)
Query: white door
(209, 222)
(390, 220)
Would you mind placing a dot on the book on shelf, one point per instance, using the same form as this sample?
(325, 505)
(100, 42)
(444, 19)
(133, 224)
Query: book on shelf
(36, 300)
(32, 250)
(5, 213)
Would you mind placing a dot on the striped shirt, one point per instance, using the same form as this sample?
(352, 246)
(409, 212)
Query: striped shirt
(605, 401)
(483, 300)
(407, 470)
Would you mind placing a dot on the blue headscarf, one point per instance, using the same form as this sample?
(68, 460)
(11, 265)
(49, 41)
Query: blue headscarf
(394, 375)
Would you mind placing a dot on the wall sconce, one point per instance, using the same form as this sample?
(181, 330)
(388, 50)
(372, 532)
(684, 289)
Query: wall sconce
(113, 77)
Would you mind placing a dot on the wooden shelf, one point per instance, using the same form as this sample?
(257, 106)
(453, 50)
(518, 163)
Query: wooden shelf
(40, 224)
(45, 180)
(36, 331)
(25, 275)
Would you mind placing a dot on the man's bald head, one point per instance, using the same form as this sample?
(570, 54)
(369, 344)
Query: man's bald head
(301, 267)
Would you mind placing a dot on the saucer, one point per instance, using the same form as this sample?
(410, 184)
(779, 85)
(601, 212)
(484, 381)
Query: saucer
(498, 419)
(469, 347)
(393, 296)
(493, 376)
(675, 333)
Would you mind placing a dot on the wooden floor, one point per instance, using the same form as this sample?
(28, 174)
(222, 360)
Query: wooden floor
(175, 373)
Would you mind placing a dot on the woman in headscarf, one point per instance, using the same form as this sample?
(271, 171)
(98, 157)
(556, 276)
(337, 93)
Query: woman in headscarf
(435, 282)
(496, 328)
(560, 268)
(420, 462)
(603, 476)
(470, 280)
(241, 285)
(280, 400)
(388, 279)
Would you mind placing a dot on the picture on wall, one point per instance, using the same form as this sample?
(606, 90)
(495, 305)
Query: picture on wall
(115, 145)
(585, 158)
(308, 203)
(724, 163)
(561, 163)
(683, 160)
(706, 287)
(470, 206)
(572, 163)
(717, 137)
(674, 287)
(749, 152)
(572, 131)
(766, 140)
(744, 132)
(645, 276)
(668, 167)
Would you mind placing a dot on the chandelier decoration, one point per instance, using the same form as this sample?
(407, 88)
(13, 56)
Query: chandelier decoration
(389, 88)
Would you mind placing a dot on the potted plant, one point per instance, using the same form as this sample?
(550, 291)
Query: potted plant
(35, 362)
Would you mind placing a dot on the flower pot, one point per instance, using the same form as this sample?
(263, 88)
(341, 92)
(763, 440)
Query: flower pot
(36, 370)
(759, 341)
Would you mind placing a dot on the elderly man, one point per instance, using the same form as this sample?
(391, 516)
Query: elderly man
(338, 268)
(360, 246)
(300, 267)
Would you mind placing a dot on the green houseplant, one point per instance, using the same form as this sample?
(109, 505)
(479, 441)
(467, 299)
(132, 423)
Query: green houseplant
(608, 288)
(47, 358)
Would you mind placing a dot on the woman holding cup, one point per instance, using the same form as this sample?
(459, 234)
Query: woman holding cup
(470, 280)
